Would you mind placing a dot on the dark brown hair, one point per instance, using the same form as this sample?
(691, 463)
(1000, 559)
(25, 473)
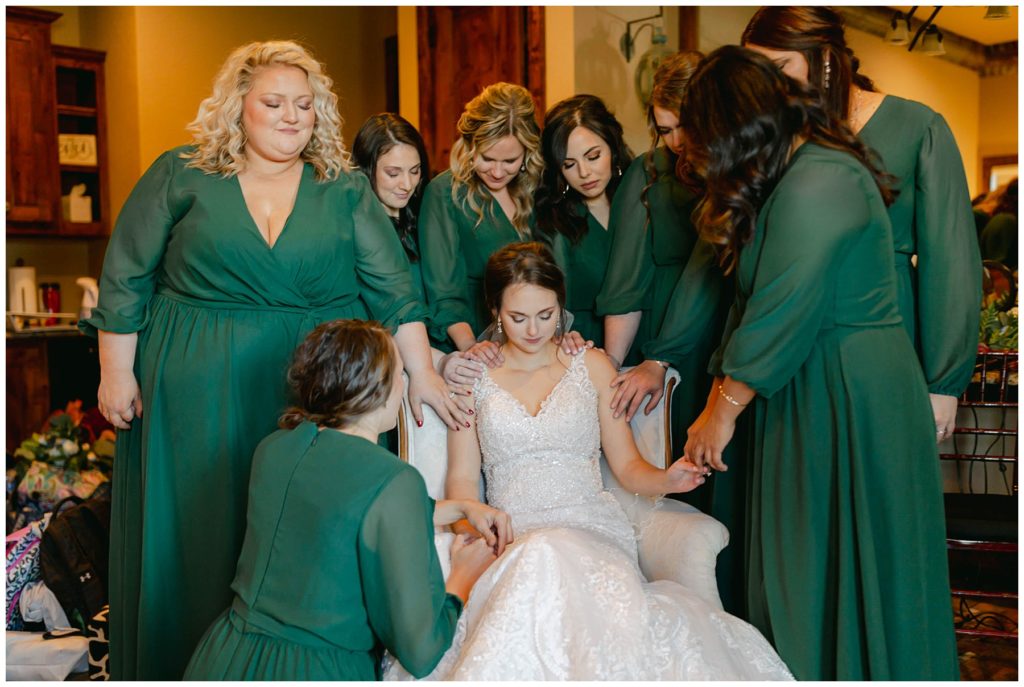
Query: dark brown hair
(379, 134)
(670, 81)
(816, 33)
(523, 263)
(341, 371)
(741, 115)
(557, 202)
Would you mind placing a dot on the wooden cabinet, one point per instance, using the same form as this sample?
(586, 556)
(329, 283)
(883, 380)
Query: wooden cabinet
(80, 97)
(52, 90)
(32, 181)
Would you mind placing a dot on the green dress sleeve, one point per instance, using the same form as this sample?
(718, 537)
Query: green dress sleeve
(442, 263)
(732, 321)
(948, 265)
(999, 240)
(630, 263)
(807, 228)
(135, 253)
(406, 602)
(382, 267)
(693, 308)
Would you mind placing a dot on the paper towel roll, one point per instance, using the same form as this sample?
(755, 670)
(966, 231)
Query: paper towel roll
(22, 294)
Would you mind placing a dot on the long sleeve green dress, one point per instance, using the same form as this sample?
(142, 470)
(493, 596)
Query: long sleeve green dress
(650, 247)
(584, 266)
(454, 249)
(691, 331)
(940, 299)
(218, 313)
(846, 537)
(338, 564)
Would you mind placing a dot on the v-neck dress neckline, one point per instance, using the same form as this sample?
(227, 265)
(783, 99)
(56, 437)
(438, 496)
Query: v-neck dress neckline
(254, 226)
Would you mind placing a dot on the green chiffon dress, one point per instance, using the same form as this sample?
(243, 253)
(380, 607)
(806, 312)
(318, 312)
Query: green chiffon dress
(846, 537)
(584, 266)
(454, 250)
(218, 313)
(940, 299)
(338, 564)
(650, 247)
(691, 331)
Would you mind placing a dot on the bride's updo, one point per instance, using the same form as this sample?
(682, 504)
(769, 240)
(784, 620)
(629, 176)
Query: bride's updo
(341, 371)
(523, 263)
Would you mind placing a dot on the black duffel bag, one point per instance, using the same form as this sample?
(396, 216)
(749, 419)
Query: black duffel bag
(73, 556)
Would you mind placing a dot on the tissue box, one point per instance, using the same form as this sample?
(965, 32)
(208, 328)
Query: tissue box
(77, 208)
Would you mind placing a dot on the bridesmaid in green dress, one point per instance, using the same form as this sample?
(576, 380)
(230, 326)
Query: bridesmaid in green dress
(339, 561)
(392, 155)
(940, 295)
(482, 203)
(846, 537)
(652, 239)
(584, 155)
(224, 256)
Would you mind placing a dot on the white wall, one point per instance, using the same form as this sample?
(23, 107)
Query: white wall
(602, 70)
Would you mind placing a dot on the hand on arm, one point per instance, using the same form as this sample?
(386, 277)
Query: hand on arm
(118, 395)
(494, 525)
(470, 558)
(425, 385)
(632, 386)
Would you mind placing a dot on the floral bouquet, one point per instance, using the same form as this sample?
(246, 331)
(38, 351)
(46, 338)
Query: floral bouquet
(61, 461)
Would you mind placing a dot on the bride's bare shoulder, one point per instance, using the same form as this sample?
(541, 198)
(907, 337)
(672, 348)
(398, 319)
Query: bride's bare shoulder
(599, 366)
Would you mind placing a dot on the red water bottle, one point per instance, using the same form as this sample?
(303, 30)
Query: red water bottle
(49, 295)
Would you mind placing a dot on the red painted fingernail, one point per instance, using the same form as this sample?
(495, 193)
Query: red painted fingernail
(419, 423)
(467, 425)
(471, 412)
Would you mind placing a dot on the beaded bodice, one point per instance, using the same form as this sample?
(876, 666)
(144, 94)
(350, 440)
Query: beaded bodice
(543, 470)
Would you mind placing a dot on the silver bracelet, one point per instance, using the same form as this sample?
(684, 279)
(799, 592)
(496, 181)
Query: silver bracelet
(730, 399)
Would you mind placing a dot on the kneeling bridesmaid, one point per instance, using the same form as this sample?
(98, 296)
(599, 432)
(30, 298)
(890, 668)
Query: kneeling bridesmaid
(339, 562)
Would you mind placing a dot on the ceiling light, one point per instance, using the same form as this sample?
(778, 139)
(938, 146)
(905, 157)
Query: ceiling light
(997, 12)
(898, 33)
(931, 42)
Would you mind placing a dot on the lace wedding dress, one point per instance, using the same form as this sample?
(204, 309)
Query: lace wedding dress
(567, 600)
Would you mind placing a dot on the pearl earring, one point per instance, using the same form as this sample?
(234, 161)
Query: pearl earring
(828, 71)
(500, 330)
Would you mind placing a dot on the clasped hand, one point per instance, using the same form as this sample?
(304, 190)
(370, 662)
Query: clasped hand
(494, 525)
(707, 438)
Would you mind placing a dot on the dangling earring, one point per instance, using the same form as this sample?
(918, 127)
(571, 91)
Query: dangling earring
(522, 167)
(499, 329)
(828, 71)
(618, 170)
(558, 326)
(565, 190)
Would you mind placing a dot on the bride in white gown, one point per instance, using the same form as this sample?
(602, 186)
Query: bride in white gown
(566, 600)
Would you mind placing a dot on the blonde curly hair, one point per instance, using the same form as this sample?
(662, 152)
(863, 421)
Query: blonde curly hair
(502, 109)
(217, 132)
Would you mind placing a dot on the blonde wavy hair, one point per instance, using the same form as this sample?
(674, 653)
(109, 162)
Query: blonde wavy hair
(217, 132)
(502, 109)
